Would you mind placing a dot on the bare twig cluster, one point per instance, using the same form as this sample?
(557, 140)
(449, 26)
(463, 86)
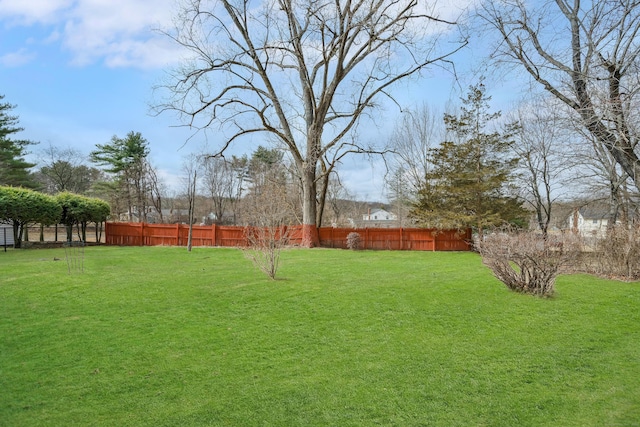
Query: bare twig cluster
(354, 241)
(618, 254)
(528, 262)
(267, 235)
(265, 246)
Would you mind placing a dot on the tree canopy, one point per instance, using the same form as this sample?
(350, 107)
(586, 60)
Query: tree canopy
(81, 210)
(468, 183)
(586, 55)
(14, 169)
(21, 207)
(126, 158)
(301, 72)
(63, 169)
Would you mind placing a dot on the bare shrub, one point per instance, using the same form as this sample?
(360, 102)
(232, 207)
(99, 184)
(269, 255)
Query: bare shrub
(265, 245)
(618, 254)
(526, 261)
(354, 240)
(267, 234)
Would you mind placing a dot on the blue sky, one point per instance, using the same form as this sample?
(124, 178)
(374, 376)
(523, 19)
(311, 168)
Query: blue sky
(81, 71)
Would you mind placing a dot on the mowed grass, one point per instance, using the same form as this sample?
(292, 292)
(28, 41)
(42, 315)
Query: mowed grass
(163, 337)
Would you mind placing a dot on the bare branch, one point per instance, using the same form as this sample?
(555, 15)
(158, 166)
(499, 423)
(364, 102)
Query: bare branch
(583, 56)
(302, 72)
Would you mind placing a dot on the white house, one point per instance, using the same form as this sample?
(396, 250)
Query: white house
(379, 218)
(377, 215)
(589, 221)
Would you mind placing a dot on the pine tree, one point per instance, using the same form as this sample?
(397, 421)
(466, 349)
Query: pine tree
(14, 169)
(126, 158)
(468, 185)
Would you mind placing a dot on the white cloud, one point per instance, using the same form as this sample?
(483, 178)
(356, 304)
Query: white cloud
(33, 11)
(17, 59)
(364, 179)
(120, 32)
(117, 32)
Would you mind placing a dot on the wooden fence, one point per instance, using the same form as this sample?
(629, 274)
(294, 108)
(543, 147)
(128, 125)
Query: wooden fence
(416, 239)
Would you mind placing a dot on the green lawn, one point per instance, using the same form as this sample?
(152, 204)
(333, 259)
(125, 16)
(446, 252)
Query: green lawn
(163, 337)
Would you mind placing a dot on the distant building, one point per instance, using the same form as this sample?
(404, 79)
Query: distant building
(379, 215)
(589, 221)
(379, 218)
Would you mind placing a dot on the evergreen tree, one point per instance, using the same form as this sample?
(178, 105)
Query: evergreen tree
(126, 158)
(469, 183)
(14, 169)
(266, 165)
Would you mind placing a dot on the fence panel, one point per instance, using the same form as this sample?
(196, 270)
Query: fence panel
(160, 235)
(384, 239)
(453, 240)
(414, 239)
(122, 234)
(230, 236)
(334, 237)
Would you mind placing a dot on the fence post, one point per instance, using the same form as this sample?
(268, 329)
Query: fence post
(177, 234)
(213, 234)
(401, 240)
(142, 234)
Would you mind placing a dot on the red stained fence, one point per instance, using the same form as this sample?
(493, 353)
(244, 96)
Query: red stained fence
(416, 239)
(398, 239)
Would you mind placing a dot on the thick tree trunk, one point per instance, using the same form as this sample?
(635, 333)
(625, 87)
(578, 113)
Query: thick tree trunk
(310, 237)
(616, 141)
(322, 199)
(17, 235)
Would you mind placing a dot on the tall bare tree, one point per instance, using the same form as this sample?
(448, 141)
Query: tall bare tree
(190, 166)
(337, 198)
(541, 145)
(64, 169)
(414, 135)
(223, 181)
(604, 180)
(399, 192)
(156, 189)
(585, 53)
(303, 72)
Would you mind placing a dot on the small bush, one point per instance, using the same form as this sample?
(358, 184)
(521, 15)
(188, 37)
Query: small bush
(618, 254)
(527, 262)
(265, 245)
(268, 214)
(354, 241)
